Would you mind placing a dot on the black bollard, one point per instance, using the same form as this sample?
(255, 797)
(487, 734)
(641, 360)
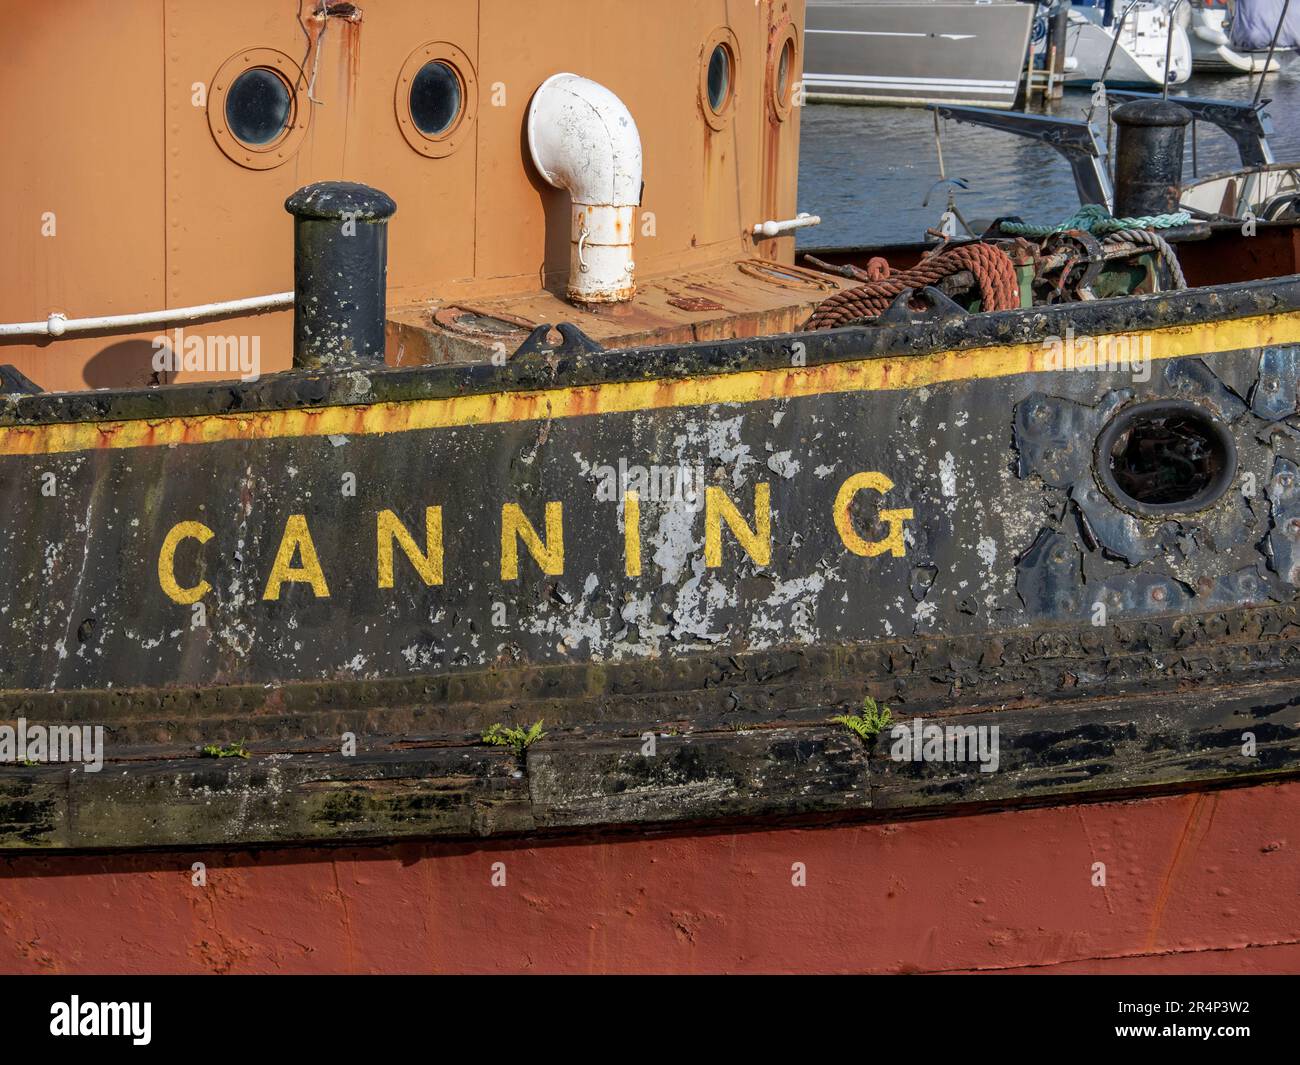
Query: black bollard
(1148, 157)
(1057, 30)
(340, 268)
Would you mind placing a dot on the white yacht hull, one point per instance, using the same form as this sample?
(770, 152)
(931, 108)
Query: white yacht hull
(1138, 60)
(1268, 192)
(1213, 54)
(874, 52)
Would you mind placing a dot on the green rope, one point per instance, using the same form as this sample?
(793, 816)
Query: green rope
(1096, 219)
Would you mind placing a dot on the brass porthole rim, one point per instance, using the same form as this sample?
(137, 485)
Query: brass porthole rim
(442, 144)
(723, 35)
(782, 107)
(273, 153)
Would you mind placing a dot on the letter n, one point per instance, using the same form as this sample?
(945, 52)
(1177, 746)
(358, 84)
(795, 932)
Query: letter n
(427, 563)
(515, 527)
(757, 541)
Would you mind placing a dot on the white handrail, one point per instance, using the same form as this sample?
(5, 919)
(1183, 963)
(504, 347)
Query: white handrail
(57, 324)
(773, 228)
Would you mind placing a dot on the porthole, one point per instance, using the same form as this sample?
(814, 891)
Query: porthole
(783, 73)
(719, 77)
(1165, 457)
(436, 98)
(259, 107)
(255, 108)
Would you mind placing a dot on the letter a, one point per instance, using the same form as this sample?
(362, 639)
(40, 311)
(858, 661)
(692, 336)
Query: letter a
(296, 540)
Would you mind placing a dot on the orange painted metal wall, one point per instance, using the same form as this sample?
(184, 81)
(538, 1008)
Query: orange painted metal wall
(82, 176)
(114, 139)
(1194, 883)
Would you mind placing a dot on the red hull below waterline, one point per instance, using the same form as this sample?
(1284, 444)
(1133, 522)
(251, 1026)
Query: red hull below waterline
(1204, 882)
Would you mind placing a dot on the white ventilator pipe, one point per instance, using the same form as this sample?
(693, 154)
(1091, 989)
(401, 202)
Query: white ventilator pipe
(583, 139)
(57, 325)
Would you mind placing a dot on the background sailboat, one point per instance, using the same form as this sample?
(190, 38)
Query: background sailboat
(1209, 25)
(1134, 37)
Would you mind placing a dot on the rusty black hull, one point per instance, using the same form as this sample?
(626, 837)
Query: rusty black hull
(936, 535)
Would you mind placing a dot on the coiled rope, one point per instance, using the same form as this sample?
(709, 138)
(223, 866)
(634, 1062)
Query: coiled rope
(1164, 252)
(992, 268)
(1095, 219)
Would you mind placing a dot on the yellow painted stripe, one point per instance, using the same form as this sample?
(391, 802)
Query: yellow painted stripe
(750, 386)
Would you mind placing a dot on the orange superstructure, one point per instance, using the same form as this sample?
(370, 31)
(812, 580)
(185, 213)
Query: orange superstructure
(127, 189)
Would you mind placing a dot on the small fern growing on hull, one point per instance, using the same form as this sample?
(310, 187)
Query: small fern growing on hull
(870, 723)
(215, 750)
(499, 735)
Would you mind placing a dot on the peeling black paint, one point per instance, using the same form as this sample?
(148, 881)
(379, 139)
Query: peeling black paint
(989, 614)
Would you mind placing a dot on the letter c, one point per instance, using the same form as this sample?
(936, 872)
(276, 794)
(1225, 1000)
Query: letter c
(185, 530)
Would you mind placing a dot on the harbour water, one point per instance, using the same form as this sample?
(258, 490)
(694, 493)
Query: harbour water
(867, 170)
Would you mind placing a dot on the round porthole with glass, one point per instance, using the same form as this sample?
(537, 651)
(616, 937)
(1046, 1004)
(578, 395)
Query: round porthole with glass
(259, 107)
(719, 76)
(435, 98)
(254, 108)
(783, 72)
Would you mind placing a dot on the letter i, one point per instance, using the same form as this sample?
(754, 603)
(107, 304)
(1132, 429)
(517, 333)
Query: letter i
(632, 533)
